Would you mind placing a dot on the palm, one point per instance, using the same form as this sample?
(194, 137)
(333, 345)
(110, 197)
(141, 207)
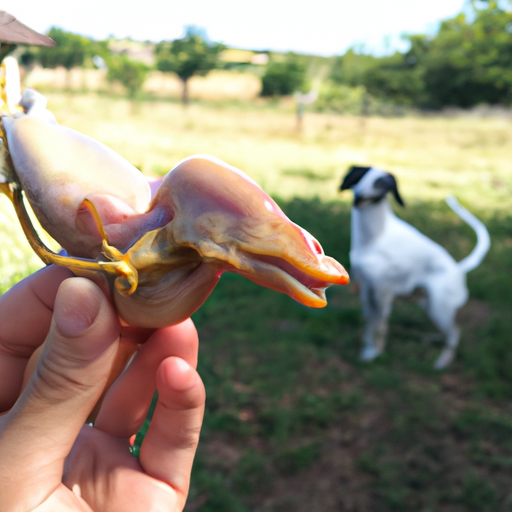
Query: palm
(101, 462)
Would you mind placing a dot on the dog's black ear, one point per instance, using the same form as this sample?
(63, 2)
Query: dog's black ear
(353, 176)
(398, 197)
(388, 184)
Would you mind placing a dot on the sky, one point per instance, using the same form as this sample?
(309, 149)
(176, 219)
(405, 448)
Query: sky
(319, 27)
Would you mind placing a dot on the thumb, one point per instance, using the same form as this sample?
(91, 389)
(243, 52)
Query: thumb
(79, 351)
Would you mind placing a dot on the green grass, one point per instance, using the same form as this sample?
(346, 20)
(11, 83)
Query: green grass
(294, 421)
(310, 427)
(16, 257)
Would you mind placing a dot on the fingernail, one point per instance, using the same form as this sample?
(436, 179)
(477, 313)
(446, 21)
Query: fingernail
(71, 323)
(75, 311)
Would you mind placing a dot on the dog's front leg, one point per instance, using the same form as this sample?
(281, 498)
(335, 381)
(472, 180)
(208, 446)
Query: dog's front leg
(377, 306)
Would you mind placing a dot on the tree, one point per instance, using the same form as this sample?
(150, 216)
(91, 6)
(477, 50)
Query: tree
(70, 50)
(191, 55)
(282, 78)
(396, 79)
(129, 73)
(350, 69)
(470, 62)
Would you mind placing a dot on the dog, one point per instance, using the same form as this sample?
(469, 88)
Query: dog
(389, 258)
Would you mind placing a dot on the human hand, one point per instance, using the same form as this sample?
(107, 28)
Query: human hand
(50, 460)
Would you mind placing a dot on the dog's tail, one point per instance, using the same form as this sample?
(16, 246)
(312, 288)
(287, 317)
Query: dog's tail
(483, 241)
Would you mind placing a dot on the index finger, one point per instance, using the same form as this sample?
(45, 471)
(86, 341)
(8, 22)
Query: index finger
(127, 402)
(25, 316)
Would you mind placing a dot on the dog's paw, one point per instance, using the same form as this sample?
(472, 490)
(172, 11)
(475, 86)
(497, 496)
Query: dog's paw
(369, 354)
(444, 359)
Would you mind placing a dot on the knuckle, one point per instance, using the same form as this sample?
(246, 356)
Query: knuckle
(55, 383)
(187, 438)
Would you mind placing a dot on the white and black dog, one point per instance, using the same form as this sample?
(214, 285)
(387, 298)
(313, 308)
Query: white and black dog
(389, 257)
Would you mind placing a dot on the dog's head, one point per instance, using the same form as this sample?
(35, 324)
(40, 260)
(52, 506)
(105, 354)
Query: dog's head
(370, 185)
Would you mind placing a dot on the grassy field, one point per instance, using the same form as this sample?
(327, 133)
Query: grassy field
(294, 421)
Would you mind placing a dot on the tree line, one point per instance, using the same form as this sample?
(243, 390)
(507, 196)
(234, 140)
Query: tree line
(466, 63)
(190, 55)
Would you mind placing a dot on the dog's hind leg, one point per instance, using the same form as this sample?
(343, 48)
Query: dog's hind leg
(376, 309)
(448, 353)
(443, 316)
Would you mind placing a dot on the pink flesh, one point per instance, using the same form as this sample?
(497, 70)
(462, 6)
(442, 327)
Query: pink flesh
(122, 224)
